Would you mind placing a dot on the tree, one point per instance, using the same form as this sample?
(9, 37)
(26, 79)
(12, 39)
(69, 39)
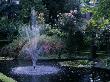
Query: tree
(104, 9)
(26, 6)
(59, 6)
(54, 7)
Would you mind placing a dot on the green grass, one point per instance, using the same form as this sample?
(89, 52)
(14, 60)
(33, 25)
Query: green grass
(4, 78)
(76, 63)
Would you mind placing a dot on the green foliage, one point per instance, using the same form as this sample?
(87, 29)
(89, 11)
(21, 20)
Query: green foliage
(4, 78)
(56, 31)
(104, 9)
(85, 1)
(6, 24)
(12, 49)
(100, 13)
(71, 5)
(50, 39)
(89, 9)
(101, 23)
(77, 63)
(26, 6)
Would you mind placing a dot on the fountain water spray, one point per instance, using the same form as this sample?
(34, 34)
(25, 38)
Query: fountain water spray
(32, 35)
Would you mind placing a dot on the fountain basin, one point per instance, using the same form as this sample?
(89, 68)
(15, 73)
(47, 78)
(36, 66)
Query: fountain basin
(38, 70)
(48, 71)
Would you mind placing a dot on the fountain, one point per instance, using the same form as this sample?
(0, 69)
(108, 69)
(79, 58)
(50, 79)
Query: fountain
(45, 72)
(32, 33)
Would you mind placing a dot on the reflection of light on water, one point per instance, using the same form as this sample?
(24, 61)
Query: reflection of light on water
(39, 70)
(91, 78)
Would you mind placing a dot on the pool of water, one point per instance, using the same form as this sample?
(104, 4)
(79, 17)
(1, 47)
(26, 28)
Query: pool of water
(60, 74)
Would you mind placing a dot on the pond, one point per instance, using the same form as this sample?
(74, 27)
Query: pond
(64, 74)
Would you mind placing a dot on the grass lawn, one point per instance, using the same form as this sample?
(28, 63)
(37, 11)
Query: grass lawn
(4, 78)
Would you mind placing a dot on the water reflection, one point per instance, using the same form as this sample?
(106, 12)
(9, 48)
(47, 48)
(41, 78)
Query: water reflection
(66, 74)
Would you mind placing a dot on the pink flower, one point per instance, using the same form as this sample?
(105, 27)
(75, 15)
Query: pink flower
(51, 47)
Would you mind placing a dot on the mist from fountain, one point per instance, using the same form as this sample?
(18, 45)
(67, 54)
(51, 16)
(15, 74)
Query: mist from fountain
(32, 35)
